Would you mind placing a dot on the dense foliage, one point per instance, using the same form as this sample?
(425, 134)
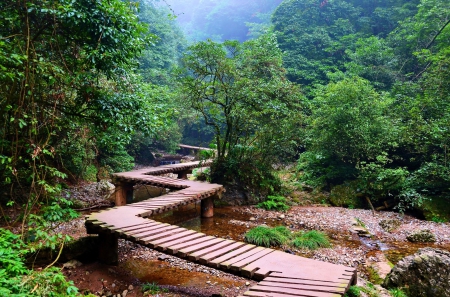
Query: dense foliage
(376, 76)
(71, 95)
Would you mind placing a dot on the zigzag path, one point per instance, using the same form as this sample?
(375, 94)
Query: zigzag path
(280, 274)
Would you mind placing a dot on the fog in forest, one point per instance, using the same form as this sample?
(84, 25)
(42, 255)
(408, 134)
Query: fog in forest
(222, 19)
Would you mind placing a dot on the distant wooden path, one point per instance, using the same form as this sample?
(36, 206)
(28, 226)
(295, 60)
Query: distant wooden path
(281, 274)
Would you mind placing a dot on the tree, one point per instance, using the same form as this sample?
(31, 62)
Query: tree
(67, 68)
(349, 124)
(241, 91)
(159, 59)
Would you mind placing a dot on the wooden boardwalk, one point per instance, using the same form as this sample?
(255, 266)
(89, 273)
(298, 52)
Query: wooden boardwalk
(280, 274)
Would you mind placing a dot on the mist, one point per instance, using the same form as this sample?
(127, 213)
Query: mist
(221, 20)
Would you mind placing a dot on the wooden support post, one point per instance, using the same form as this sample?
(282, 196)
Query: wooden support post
(207, 207)
(124, 193)
(183, 174)
(108, 250)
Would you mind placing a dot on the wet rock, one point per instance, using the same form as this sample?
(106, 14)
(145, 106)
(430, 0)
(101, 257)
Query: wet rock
(281, 216)
(390, 225)
(424, 235)
(425, 274)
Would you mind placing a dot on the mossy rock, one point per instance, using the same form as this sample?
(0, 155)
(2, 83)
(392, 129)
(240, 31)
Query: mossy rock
(390, 225)
(436, 209)
(421, 236)
(345, 195)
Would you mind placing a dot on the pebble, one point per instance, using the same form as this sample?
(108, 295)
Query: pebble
(130, 288)
(124, 293)
(247, 284)
(162, 257)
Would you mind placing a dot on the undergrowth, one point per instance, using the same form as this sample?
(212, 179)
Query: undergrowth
(153, 288)
(16, 280)
(277, 236)
(274, 203)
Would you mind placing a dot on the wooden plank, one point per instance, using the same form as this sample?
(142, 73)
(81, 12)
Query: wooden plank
(149, 228)
(135, 228)
(149, 236)
(215, 262)
(194, 256)
(182, 234)
(171, 247)
(236, 266)
(189, 243)
(308, 287)
(295, 292)
(205, 259)
(197, 245)
(227, 264)
(301, 281)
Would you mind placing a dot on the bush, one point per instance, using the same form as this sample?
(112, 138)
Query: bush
(353, 291)
(310, 240)
(17, 280)
(274, 203)
(265, 236)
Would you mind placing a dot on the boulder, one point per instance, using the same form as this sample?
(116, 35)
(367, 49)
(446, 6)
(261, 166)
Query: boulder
(106, 188)
(390, 225)
(424, 274)
(421, 236)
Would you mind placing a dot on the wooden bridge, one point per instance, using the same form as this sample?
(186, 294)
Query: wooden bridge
(280, 274)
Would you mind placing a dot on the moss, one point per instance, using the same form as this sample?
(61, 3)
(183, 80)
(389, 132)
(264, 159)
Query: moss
(373, 275)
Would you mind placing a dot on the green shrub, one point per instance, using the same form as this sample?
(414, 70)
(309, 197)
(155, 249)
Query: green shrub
(153, 288)
(274, 203)
(397, 293)
(353, 291)
(17, 280)
(310, 240)
(90, 173)
(265, 236)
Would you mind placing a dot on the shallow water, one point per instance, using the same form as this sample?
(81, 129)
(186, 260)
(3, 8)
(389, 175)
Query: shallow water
(163, 274)
(189, 217)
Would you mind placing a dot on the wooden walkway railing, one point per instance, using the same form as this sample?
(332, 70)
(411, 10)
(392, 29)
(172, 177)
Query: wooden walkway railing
(281, 274)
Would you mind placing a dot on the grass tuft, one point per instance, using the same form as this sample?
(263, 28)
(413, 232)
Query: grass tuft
(265, 236)
(310, 240)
